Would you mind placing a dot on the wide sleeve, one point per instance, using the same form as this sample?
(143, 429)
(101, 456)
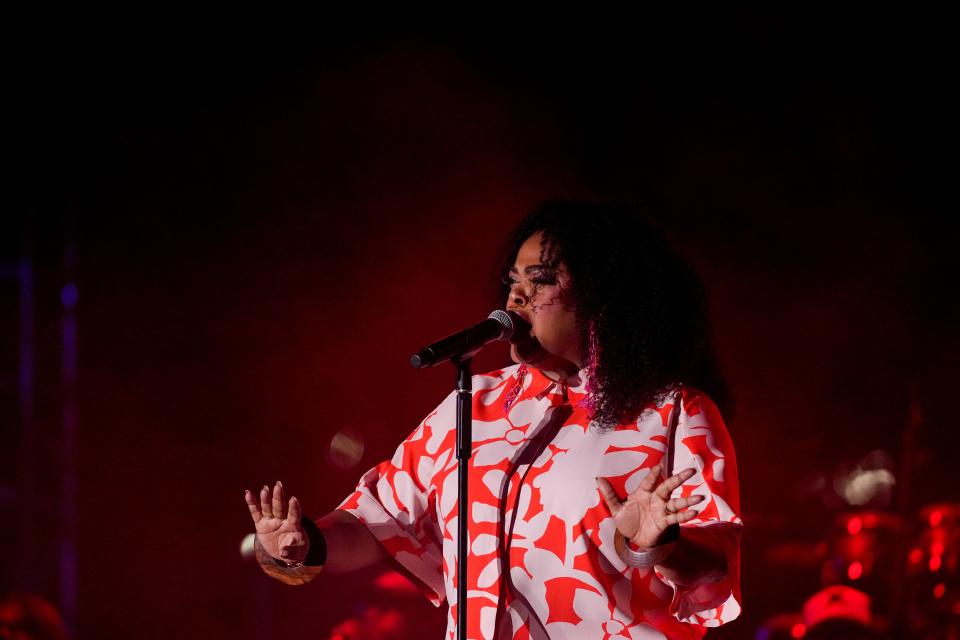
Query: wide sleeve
(702, 442)
(396, 501)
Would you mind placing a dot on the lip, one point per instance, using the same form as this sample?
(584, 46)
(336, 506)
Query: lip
(522, 314)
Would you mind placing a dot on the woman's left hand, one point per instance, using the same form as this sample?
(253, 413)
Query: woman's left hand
(647, 512)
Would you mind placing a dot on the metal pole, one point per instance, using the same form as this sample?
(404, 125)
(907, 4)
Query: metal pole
(464, 451)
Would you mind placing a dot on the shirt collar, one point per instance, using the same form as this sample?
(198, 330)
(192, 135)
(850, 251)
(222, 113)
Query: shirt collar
(540, 384)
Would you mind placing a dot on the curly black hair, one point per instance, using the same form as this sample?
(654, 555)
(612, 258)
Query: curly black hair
(645, 304)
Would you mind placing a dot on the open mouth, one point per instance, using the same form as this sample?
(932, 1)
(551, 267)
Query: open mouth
(523, 328)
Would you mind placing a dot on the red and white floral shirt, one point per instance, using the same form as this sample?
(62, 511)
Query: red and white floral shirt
(542, 560)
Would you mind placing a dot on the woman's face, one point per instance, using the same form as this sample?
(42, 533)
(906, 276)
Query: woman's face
(539, 291)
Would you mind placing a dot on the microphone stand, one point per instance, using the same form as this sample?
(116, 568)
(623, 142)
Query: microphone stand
(459, 349)
(464, 452)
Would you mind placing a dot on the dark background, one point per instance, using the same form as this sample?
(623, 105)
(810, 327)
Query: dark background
(263, 222)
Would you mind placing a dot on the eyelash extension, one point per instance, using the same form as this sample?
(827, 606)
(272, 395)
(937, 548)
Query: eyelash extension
(544, 279)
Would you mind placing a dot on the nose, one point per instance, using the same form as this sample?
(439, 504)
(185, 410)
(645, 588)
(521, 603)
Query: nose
(517, 298)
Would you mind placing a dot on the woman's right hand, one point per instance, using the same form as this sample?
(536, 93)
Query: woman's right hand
(279, 534)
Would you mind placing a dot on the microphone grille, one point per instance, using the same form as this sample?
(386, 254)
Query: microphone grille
(505, 320)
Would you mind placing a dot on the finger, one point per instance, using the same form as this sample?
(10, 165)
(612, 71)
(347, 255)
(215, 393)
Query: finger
(252, 504)
(679, 504)
(278, 500)
(683, 516)
(650, 481)
(293, 513)
(609, 496)
(265, 506)
(671, 483)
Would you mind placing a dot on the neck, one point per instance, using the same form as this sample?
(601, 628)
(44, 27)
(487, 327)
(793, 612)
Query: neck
(557, 368)
(569, 376)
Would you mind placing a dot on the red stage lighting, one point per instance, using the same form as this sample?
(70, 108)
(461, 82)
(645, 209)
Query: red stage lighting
(855, 570)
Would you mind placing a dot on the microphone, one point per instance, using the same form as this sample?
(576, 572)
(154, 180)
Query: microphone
(499, 325)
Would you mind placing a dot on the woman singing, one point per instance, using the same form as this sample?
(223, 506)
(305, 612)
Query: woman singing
(604, 499)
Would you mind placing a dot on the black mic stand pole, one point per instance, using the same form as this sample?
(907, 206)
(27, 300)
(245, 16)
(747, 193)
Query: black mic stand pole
(464, 451)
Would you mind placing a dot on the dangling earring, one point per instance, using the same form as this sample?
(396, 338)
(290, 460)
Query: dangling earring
(593, 350)
(517, 388)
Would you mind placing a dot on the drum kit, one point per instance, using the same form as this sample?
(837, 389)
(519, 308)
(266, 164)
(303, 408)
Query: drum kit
(931, 576)
(883, 576)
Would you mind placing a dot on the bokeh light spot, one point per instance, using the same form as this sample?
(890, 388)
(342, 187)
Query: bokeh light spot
(69, 295)
(346, 448)
(246, 545)
(855, 570)
(854, 525)
(935, 562)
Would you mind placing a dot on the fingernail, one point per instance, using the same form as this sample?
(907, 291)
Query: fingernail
(266, 488)
(279, 484)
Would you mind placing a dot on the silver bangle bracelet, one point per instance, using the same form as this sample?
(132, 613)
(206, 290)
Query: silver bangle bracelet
(640, 559)
(277, 561)
(286, 565)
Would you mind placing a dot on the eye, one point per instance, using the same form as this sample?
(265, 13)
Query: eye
(544, 276)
